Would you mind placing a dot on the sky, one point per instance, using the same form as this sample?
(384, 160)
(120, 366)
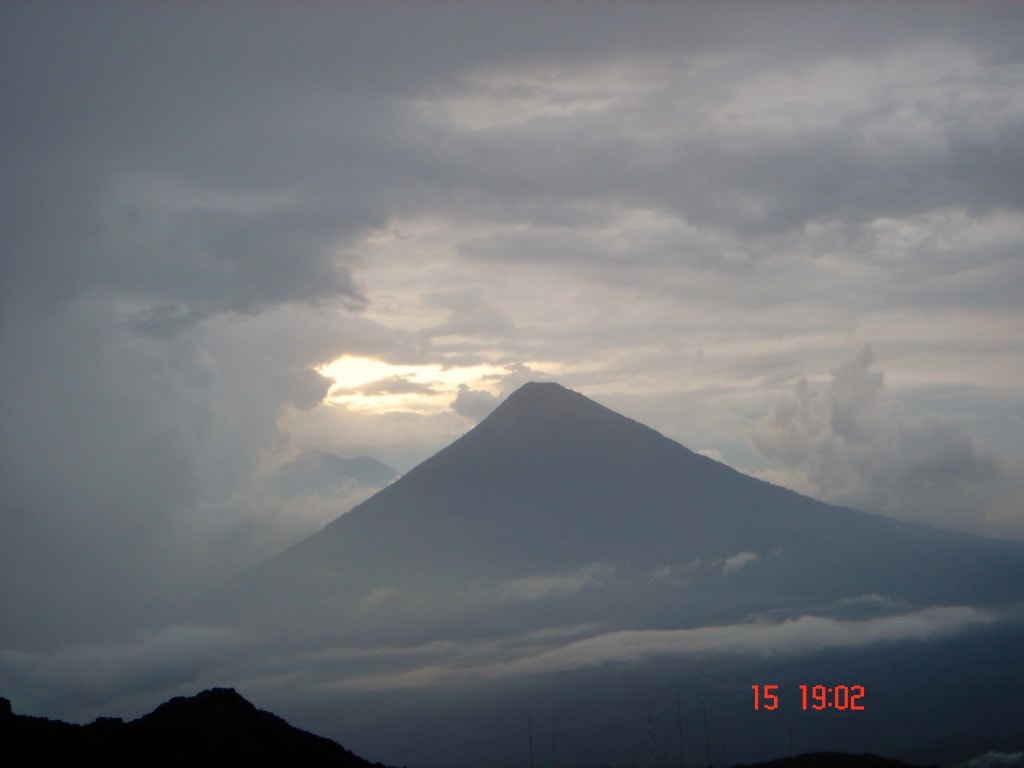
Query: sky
(787, 235)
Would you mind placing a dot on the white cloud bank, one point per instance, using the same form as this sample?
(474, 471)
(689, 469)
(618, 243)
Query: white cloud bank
(793, 636)
(576, 648)
(850, 442)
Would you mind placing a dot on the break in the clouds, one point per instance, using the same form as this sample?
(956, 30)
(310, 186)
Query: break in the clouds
(679, 210)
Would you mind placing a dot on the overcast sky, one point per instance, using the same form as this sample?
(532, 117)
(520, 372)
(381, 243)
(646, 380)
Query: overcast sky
(789, 235)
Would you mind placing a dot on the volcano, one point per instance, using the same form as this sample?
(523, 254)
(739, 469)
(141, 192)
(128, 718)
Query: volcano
(554, 501)
(572, 560)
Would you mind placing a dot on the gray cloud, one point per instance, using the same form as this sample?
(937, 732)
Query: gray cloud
(470, 315)
(78, 679)
(850, 443)
(474, 403)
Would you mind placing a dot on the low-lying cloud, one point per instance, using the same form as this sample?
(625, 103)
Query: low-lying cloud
(581, 647)
(805, 634)
(738, 561)
(724, 565)
(540, 587)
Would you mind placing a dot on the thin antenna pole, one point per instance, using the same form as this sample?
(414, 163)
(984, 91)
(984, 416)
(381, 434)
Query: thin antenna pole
(707, 741)
(679, 724)
(650, 737)
(529, 734)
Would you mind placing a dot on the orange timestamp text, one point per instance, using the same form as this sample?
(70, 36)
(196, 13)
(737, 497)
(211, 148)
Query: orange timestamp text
(845, 698)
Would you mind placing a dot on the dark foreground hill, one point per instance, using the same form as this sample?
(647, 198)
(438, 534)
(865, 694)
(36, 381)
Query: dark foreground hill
(213, 728)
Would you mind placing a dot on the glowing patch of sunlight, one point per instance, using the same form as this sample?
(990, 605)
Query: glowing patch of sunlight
(370, 384)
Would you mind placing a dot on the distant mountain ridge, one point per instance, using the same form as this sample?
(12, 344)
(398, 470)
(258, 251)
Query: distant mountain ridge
(320, 473)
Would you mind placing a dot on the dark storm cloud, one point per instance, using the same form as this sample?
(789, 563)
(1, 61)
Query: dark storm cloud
(755, 184)
(129, 461)
(217, 180)
(97, 464)
(161, 168)
(305, 141)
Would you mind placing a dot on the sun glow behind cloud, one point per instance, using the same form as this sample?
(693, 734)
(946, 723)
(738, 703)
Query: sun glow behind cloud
(373, 385)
